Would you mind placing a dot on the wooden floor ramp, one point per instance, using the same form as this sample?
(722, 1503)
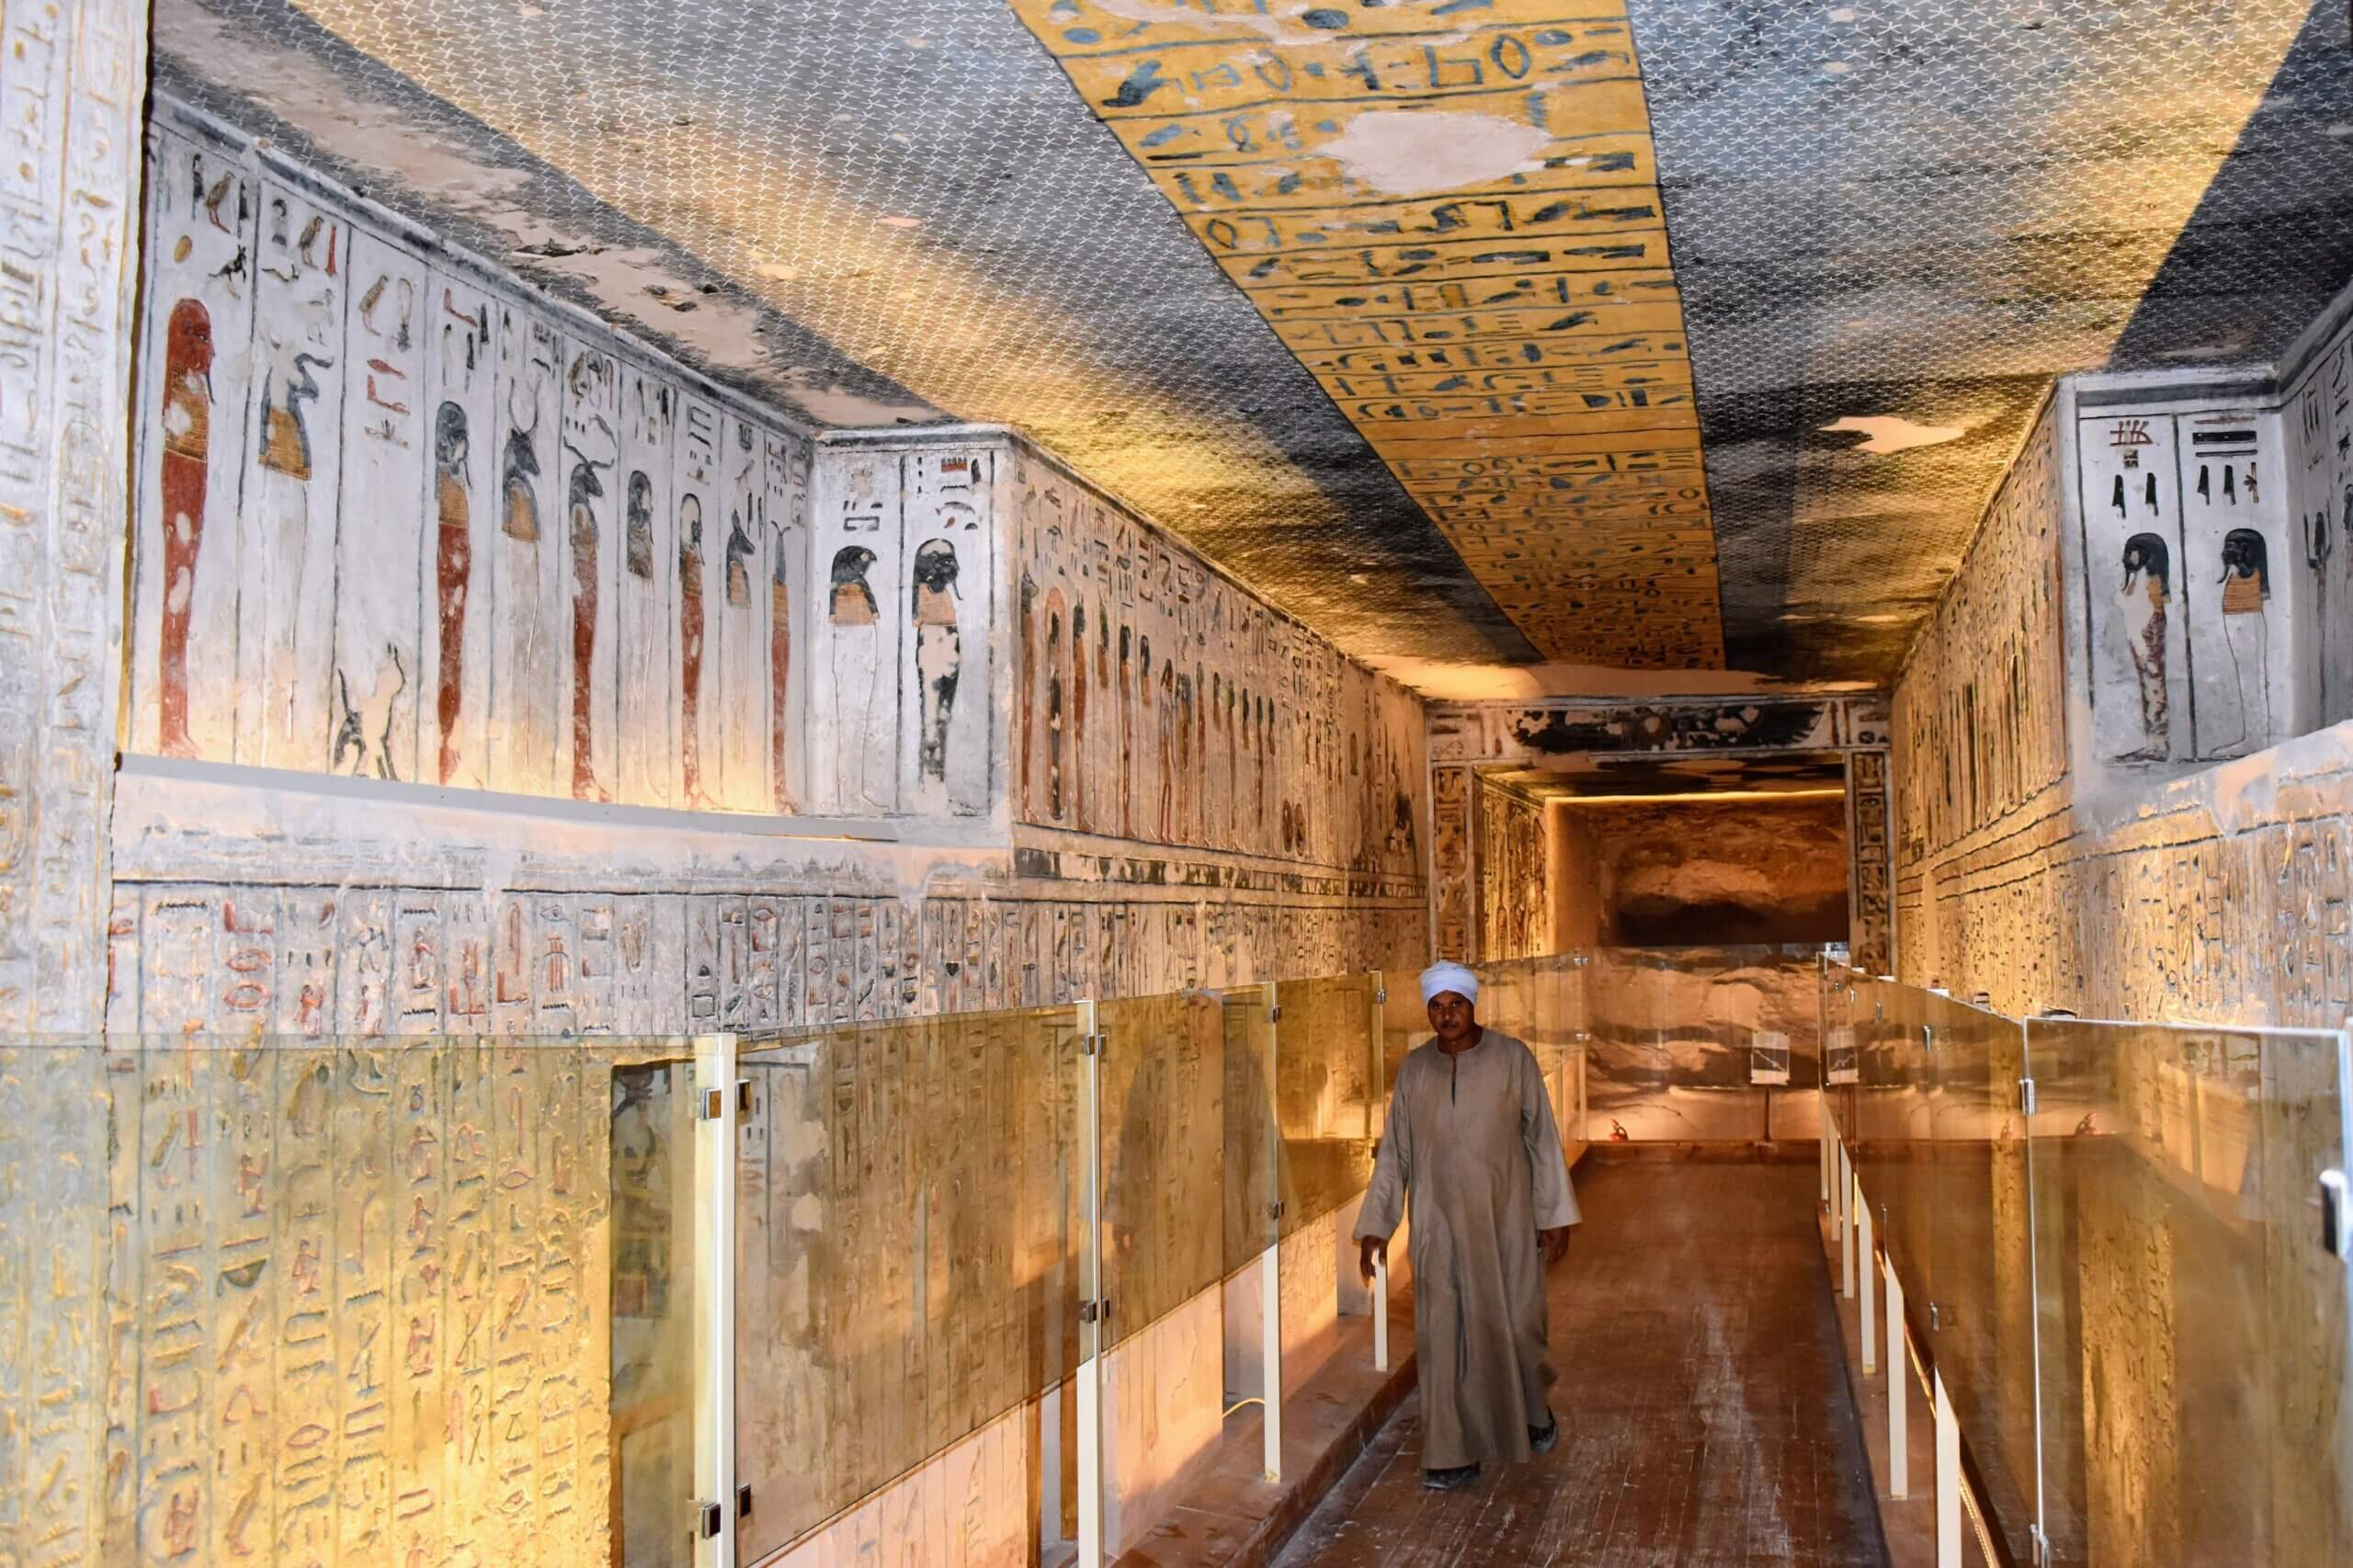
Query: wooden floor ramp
(1707, 1418)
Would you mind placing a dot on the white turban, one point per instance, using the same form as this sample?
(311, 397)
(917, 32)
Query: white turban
(1449, 977)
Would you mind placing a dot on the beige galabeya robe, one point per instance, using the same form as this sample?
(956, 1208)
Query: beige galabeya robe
(1471, 1143)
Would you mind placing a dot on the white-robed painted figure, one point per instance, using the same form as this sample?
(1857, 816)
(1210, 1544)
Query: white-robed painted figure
(1471, 1148)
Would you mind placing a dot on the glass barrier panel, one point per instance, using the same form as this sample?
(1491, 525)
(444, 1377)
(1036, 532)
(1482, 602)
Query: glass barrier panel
(1404, 1024)
(652, 1143)
(1324, 1094)
(1251, 1145)
(1696, 1044)
(1168, 1083)
(298, 1300)
(2193, 1326)
(1894, 1130)
(907, 1214)
(1839, 1062)
(1981, 1317)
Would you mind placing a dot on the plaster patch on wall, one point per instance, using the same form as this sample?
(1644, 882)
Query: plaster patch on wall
(1408, 153)
(1893, 433)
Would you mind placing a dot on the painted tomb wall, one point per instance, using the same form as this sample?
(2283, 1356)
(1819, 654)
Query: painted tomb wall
(2075, 832)
(1573, 735)
(491, 674)
(426, 530)
(2060, 847)
(1515, 915)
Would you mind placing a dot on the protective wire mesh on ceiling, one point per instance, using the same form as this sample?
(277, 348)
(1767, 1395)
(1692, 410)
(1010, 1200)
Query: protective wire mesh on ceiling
(1926, 209)
(1919, 209)
(913, 183)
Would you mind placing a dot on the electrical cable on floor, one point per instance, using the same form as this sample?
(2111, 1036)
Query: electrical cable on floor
(1238, 1404)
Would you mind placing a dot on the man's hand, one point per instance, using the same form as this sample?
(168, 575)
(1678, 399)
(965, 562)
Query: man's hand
(1369, 1251)
(1555, 1242)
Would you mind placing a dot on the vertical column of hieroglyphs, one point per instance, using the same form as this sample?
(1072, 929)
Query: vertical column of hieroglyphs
(372, 702)
(199, 309)
(72, 81)
(588, 454)
(1499, 322)
(529, 604)
(740, 613)
(292, 441)
(943, 651)
(858, 561)
(460, 429)
(786, 480)
(1870, 921)
(647, 608)
(695, 496)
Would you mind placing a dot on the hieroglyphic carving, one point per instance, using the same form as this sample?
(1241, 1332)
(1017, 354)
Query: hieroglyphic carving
(529, 656)
(294, 446)
(202, 217)
(1515, 916)
(950, 524)
(431, 559)
(1270, 134)
(453, 711)
(739, 611)
(856, 551)
(372, 700)
(2317, 423)
(1870, 916)
(589, 458)
(1509, 732)
(1453, 803)
(75, 81)
(646, 611)
(1980, 705)
(1156, 701)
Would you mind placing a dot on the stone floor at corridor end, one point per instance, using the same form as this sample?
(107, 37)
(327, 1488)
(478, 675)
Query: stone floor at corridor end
(1705, 1416)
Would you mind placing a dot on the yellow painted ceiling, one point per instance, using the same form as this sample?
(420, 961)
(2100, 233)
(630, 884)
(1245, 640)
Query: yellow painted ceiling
(1449, 214)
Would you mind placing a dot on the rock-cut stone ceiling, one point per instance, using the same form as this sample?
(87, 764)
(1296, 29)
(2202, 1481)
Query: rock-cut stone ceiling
(1643, 334)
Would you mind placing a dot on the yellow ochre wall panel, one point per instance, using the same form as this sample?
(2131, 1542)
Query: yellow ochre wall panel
(1447, 210)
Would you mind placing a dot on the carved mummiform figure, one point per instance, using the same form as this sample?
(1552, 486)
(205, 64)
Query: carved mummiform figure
(2246, 590)
(690, 639)
(583, 492)
(637, 544)
(739, 560)
(519, 514)
(452, 575)
(939, 653)
(2140, 610)
(187, 445)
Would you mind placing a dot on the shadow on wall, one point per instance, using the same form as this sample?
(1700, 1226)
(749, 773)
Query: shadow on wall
(1664, 921)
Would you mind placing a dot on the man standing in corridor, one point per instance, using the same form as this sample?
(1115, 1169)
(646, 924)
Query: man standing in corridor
(1471, 1144)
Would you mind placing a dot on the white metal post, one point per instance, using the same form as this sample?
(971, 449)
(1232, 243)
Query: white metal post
(1898, 1393)
(714, 1179)
(1947, 1480)
(1845, 1223)
(1270, 1353)
(1089, 1375)
(1378, 1077)
(1270, 1270)
(1822, 1159)
(1869, 1295)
